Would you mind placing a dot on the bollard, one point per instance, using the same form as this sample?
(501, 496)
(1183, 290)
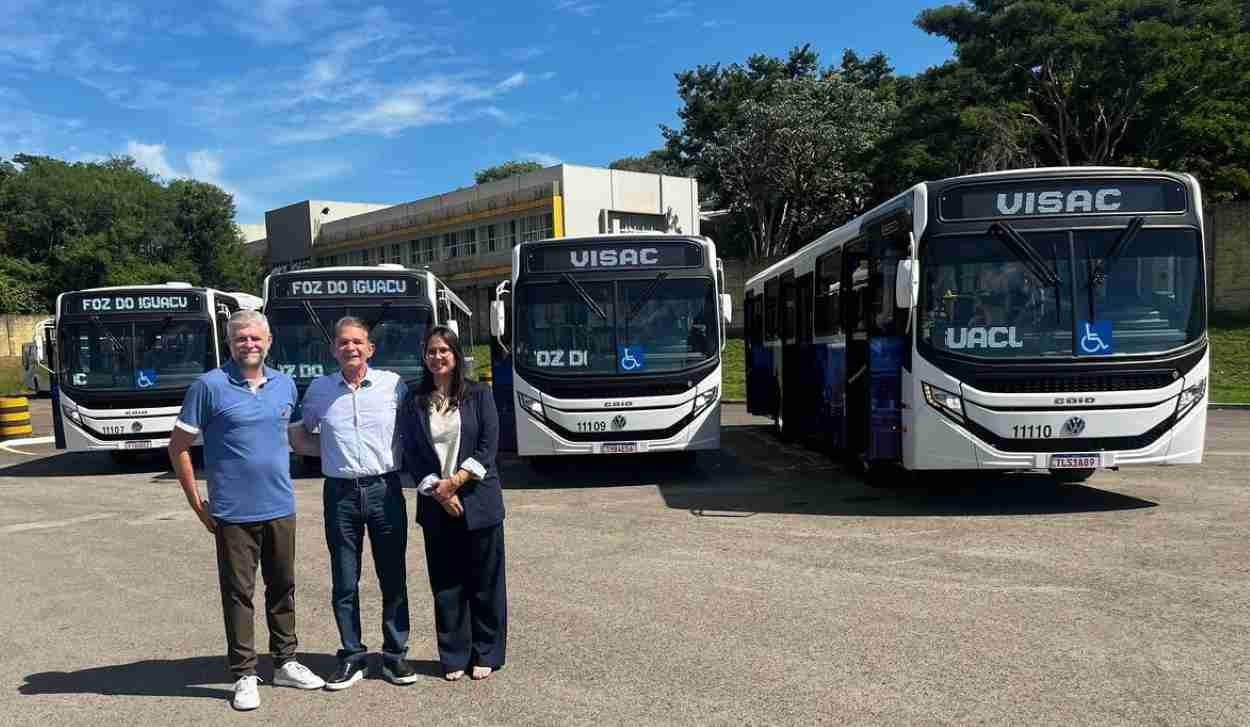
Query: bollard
(14, 417)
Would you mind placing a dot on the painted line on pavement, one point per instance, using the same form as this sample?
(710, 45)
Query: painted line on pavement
(50, 524)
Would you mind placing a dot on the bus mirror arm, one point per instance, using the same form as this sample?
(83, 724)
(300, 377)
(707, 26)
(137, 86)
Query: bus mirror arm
(906, 284)
(497, 318)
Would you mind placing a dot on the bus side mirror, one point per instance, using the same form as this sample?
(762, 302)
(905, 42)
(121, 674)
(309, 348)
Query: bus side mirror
(727, 308)
(497, 318)
(906, 284)
(454, 325)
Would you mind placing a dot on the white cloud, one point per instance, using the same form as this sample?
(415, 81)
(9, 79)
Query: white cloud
(203, 165)
(152, 158)
(547, 160)
(675, 11)
(516, 80)
(577, 7)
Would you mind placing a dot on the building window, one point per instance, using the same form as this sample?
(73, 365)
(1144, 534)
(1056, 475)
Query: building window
(469, 237)
(393, 254)
(510, 234)
(536, 227)
(449, 245)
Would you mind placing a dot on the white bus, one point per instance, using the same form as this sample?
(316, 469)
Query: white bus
(399, 304)
(611, 344)
(36, 372)
(1043, 319)
(126, 356)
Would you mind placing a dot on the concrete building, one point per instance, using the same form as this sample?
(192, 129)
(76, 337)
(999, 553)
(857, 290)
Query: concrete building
(466, 236)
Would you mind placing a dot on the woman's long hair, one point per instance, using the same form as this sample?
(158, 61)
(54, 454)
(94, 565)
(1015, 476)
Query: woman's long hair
(425, 390)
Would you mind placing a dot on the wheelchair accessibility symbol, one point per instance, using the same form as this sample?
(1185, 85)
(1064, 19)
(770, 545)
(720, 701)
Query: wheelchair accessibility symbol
(145, 378)
(632, 358)
(1095, 339)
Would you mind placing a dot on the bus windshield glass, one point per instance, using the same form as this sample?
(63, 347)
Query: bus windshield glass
(637, 326)
(112, 355)
(301, 351)
(981, 295)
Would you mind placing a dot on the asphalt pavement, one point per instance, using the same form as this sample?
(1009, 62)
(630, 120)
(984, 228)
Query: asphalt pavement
(765, 587)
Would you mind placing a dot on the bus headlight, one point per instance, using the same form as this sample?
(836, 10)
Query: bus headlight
(706, 399)
(71, 413)
(944, 401)
(532, 406)
(1190, 396)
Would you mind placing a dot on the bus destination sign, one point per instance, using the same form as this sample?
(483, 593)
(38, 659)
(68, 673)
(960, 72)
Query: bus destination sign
(1063, 197)
(343, 287)
(147, 302)
(623, 256)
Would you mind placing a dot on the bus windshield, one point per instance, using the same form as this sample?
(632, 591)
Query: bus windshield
(636, 326)
(981, 296)
(112, 355)
(301, 351)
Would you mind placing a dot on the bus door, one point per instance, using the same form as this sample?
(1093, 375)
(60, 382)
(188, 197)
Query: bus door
(805, 409)
(792, 392)
(54, 384)
(888, 242)
(501, 365)
(854, 297)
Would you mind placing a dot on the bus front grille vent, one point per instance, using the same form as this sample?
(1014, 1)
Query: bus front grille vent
(1081, 383)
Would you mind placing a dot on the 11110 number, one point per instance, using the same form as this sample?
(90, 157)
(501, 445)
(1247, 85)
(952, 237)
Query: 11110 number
(1032, 431)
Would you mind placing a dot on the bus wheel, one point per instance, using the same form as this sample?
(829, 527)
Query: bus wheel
(1071, 477)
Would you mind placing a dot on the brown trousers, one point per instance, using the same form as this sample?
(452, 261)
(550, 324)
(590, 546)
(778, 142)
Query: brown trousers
(240, 546)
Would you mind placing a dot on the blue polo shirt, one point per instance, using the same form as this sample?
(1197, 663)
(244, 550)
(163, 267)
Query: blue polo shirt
(245, 442)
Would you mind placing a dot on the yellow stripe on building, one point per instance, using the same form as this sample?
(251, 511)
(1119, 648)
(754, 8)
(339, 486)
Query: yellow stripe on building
(557, 216)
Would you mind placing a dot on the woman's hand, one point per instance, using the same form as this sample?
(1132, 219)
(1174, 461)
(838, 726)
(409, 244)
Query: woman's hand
(445, 489)
(452, 506)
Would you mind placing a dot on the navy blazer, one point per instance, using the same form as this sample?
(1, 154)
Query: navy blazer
(479, 439)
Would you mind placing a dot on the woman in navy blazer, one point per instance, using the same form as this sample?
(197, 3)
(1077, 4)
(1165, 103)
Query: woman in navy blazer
(460, 508)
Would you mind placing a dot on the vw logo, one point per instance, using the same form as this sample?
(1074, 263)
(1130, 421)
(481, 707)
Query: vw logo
(1074, 426)
(618, 422)
(136, 427)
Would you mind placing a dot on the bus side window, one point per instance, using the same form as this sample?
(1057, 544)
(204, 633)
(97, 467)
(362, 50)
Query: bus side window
(828, 291)
(803, 309)
(787, 309)
(772, 291)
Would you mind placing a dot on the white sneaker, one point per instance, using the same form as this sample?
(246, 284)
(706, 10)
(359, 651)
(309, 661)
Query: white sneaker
(245, 694)
(295, 674)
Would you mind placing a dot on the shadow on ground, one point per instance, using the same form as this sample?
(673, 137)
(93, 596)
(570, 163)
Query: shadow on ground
(199, 677)
(78, 464)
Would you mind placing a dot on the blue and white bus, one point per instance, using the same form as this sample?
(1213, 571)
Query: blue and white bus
(398, 303)
(125, 356)
(611, 344)
(1043, 319)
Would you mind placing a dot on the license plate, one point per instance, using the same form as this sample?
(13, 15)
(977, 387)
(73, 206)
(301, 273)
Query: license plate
(619, 447)
(1075, 461)
(137, 444)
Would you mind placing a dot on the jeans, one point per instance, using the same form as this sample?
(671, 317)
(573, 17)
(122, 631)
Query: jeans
(352, 507)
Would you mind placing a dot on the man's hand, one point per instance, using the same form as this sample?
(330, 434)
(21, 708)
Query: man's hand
(202, 512)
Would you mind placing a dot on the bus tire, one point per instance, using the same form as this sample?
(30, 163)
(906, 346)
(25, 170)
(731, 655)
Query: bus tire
(1071, 477)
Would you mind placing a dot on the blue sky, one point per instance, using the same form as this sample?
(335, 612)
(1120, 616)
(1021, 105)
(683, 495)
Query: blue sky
(278, 101)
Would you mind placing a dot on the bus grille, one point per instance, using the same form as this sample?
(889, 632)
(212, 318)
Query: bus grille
(1079, 383)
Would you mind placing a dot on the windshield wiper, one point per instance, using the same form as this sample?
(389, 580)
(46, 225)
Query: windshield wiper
(1025, 251)
(590, 302)
(1098, 275)
(111, 338)
(316, 321)
(646, 295)
(378, 318)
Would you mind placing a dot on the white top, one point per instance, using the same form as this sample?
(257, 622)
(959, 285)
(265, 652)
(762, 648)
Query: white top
(445, 431)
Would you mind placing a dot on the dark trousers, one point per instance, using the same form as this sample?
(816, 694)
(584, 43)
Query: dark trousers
(375, 505)
(470, 598)
(240, 546)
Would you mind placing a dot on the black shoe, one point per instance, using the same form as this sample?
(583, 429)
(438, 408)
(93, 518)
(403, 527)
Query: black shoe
(348, 673)
(398, 672)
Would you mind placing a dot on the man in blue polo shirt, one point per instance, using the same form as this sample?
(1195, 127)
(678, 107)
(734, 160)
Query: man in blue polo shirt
(349, 419)
(242, 411)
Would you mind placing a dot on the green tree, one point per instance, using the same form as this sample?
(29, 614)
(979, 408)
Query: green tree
(503, 171)
(656, 161)
(203, 215)
(790, 164)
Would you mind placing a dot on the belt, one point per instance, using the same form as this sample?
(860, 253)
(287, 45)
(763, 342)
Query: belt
(363, 480)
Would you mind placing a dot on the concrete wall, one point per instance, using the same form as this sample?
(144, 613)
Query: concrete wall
(590, 190)
(1228, 257)
(16, 329)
